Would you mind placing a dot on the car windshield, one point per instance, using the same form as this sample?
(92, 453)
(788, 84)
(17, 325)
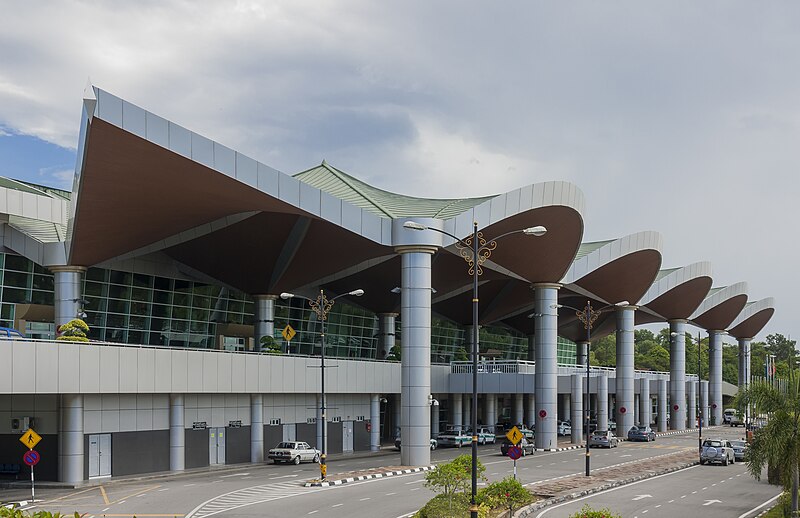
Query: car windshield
(715, 444)
(288, 445)
(600, 433)
(738, 443)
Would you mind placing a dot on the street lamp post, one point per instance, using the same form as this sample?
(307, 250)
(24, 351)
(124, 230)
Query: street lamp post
(475, 250)
(588, 316)
(322, 305)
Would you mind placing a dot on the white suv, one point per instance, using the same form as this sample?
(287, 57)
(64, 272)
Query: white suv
(717, 450)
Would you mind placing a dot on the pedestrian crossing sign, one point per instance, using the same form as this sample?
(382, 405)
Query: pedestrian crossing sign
(514, 435)
(30, 438)
(288, 333)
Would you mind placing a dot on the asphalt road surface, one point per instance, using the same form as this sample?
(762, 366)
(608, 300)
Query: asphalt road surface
(276, 490)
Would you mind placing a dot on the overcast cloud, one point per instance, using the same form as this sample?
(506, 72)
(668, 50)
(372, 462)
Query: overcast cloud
(680, 117)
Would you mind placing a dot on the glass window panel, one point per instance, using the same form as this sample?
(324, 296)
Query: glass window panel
(17, 263)
(137, 322)
(14, 295)
(42, 297)
(16, 279)
(180, 312)
(41, 270)
(140, 294)
(43, 282)
(95, 289)
(199, 327)
(119, 306)
(96, 274)
(181, 285)
(142, 281)
(135, 337)
(162, 297)
(179, 326)
(162, 283)
(200, 314)
(119, 321)
(181, 299)
(117, 277)
(7, 311)
(201, 301)
(96, 304)
(119, 292)
(140, 308)
(161, 311)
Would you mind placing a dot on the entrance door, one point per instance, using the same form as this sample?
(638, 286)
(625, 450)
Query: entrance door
(216, 446)
(100, 455)
(347, 436)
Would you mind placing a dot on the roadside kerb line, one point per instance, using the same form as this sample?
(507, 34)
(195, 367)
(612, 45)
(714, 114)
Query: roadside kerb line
(316, 483)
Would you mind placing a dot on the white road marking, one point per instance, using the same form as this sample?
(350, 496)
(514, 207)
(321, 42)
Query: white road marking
(235, 475)
(165, 489)
(671, 501)
(416, 489)
(754, 509)
(390, 494)
(106, 509)
(312, 512)
(337, 505)
(364, 499)
(420, 481)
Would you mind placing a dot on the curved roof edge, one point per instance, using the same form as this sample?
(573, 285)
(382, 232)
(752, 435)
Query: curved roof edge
(610, 251)
(752, 319)
(717, 298)
(674, 277)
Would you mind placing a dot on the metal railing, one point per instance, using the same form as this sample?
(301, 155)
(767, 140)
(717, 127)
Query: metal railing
(564, 369)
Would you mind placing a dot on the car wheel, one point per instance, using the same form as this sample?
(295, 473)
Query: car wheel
(316, 458)
(702, 462)
(458, 445)
(433, 446)
(297, 460)
(523, 452)
(481, 441)
(725, 462)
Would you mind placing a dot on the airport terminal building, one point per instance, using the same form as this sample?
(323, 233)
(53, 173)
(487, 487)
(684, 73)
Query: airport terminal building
(176, 250)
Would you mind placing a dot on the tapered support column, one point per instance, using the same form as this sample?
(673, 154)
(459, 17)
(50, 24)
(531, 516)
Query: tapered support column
(644, 402)
(744, 362)
(456, 414)
(70, 455)
(577, 407)
(375, 422)
(677, 375)
(386, 336)
(517, 416)
(467, 413)
(530, 409)
(264, 318)
(490, 410)
(602, 401)
(177, 433)
(663, 411)
(704, 415)
(415, 333)
(564, 409)
(531, 348)
(546, 380)
(581, 352)
(625, 408)
(256, 428)
(67, 282)
(691, 404)
(715, 375)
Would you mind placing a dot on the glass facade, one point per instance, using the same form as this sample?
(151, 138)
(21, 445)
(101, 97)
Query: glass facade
(145, 309)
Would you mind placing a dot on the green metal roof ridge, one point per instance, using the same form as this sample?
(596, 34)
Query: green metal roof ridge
(380, 202)
(587, 248)
(663, 273)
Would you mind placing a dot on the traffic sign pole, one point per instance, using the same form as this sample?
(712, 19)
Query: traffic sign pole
(33, 493)
(515, 469)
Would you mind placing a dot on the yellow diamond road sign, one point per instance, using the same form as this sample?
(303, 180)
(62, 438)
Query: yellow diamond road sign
(288, 333)
(514, 435)
(30, 438)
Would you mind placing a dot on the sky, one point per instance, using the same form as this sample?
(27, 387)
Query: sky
(677, 116)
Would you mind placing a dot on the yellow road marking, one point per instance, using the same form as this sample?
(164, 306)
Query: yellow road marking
(105, 496)
(72, 494)
(134, 494)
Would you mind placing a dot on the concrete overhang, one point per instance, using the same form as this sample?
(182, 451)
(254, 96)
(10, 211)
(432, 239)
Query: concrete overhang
(752, 319)
(721, 307)
(676, 293)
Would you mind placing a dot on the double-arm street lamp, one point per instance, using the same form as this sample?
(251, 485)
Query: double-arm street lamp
(322, 305)
(475, 250)
(588, 316)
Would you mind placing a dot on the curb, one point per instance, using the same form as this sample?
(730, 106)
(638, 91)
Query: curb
(527, 511)
(565, 448)
(313, 483)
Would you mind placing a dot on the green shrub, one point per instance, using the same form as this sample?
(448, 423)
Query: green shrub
(505, 494)
(13, 512)
(441, 506)
(73, 331)
(270, 345)
(588, 512)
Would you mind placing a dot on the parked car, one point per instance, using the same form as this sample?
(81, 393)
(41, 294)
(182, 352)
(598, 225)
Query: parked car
(603, 439)
(739, 449)
(736, 420)
(717, 450)
(564, 427)
(434, 443)
(293, 451)
(641, 433)
(455, 436)
(526, 432)
(526, 446)
(486, 436)
(728, 414)
(612, 426)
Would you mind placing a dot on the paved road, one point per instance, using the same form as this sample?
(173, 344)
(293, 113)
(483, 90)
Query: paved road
(270, 490)
(710, 491)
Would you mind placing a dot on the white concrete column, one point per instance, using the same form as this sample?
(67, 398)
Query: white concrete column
(576, 396)
(67, 282)
(434, 420)
(644, 402)
(565, 408)
(704, 414)
(677, 375)
(264, 318)
(715, 375)
(691, 404)
(70, 456)
(415, 333)
(466, 415)
(177, 433)
(256, 428)
(490, 410)
(456, 413)
(386, 336)
(624, 381)
(637, 414)
(602, 401)
(518, 415)
(375, 422)
(546, 380)
(744, 362)
(663, 410)
(530, 410)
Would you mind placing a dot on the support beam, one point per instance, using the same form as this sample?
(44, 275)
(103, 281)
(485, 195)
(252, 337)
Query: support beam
(576, 405)
(546, 380)
(715, 375)
(663, 410)
(256, 428)
(677, 375)
(177, 433)
(602, 401)
(624, 382)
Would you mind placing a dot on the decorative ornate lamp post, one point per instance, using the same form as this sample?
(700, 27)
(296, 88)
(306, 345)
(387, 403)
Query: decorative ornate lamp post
(475, 250)
(322, 305)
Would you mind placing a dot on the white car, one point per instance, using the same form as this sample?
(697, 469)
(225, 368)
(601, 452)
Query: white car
(717, 450)
(293, 451)
(564, 428)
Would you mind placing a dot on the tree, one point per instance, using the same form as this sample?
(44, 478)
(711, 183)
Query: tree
(270, 345)
(394, 353)
(453, 477)
(783, 348)
(74, 331)
(777, 444)
(507, 494)
(604, 351)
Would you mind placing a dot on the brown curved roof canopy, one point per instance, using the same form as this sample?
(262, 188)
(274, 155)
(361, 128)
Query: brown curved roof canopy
(678, 303)
(626, 278)
(752, 326)
(720, 316)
